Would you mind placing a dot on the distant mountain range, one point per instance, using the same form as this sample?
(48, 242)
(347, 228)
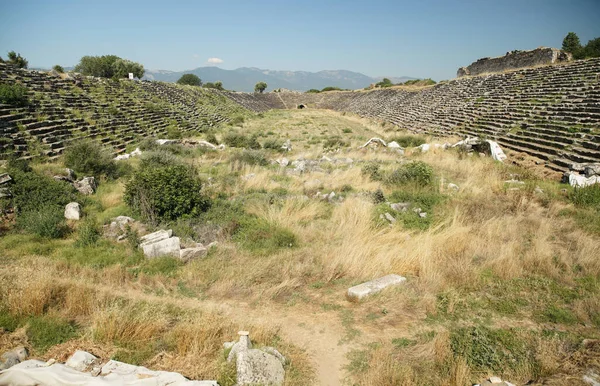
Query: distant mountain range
(244, 78)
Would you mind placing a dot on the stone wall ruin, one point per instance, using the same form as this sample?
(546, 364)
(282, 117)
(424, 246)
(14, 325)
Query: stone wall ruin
(514, 60)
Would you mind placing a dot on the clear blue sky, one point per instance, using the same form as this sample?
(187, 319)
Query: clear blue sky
(420, 38)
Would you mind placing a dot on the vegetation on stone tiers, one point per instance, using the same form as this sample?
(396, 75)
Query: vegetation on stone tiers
(500, 280)
(13, 94)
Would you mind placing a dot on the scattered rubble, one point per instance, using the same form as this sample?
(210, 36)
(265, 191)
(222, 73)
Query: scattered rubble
(206, 144)
(478, 145)
(363, 290)
(134, 153)
(163, 243)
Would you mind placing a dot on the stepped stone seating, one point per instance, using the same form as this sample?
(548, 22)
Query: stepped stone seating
(114, 113)
(551, 113)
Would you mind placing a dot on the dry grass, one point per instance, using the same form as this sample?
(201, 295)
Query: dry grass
(483, 237)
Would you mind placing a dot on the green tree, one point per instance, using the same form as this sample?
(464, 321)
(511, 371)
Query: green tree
(58, 69)
(218, 85)
(190, 80)
(384, 83)
(571, 44)
(17, 60)
(122, 68)
(592, 49)
(260, 87)
(100, 66)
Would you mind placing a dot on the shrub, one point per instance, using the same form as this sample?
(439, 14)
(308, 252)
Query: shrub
(335, 142)
(251, 157)
(58, 69)
(87, 234)
(148, 144)
(588, 196)
(371, 169)
(378, 197)
(17, 60)
(417, 171)
(32, 191)
(409, 140)
(234, 139)
(165, 193)
(159, 158)
(47, 221)
(273, 144)
(13, 94)
(90, 158)
(174, 132)
(237, 120)
(210, 137)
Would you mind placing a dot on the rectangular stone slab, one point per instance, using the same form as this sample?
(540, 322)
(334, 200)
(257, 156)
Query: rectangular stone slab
(167, 247)
(156, 236)
(363, 290)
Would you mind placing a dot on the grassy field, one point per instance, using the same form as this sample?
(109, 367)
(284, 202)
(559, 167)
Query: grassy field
(503, 278)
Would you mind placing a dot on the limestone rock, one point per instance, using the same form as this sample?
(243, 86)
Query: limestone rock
(73, 211)
(87, 185)
(242, 345)
(390, 218)
(80, 360)
(5, 192)
(453, 187)
(363, 290)
(166, 141)
(187, 254)
(166, 247)
(156, 236)
(400, 206)
(376, 142)
(5, 178)
(13, 357)
(287, 146)
(394, 145)
(273, 351)
(258, 367)
(592, 170)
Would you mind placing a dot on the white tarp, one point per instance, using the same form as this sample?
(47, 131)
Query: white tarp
(582, 181)
(34, 372)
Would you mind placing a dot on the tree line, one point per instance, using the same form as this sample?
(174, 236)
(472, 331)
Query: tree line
(572, 45)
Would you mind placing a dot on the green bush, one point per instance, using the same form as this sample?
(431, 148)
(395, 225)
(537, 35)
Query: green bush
(88, 233)
(588, 196)
(13, 94)
(235, 139)
(251, 157)
(90, 158)
(273, 144)
(371, 169)
(416, 172)
(378, 197)
(47, 221)
(165, 193)
(32, 191)
(148, 144)
(58, 69)
(409, 140)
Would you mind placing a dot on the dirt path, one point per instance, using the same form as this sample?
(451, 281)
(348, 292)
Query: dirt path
(318, 332)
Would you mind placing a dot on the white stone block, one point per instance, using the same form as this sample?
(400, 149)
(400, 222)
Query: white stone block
(188, 254)
(360, 291)
(155, 236)
(167, 247)
(72, 211)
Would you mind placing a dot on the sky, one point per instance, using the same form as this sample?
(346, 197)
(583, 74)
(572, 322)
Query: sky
(418, 38)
